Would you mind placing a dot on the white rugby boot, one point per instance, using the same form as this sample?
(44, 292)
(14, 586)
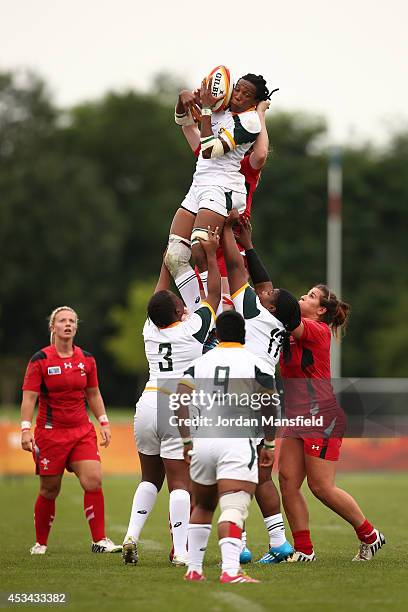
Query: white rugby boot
(367, 551)
(38, 549)
(106, 546)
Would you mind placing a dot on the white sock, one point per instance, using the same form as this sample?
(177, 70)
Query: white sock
(187, 284)
(276, 529)
(143, 502)
(179, 506)
(197, 543)
(230, 551)
(204, 280)
(243, 540)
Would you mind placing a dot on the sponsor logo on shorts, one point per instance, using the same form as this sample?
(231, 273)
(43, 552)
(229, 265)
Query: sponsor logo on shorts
(315, 447)
(177, 524)
(52, 370)
(142, 512)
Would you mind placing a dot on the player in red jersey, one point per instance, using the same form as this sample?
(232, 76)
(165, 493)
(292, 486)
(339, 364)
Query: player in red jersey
(313, 454)
(64, 378)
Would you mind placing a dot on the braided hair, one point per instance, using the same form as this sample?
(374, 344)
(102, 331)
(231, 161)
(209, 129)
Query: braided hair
(288, 313)
(337, 312)
(262, 92)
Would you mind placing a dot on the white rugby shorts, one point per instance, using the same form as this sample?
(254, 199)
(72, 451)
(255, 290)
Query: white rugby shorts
(217, 199)
(213, 459)
(146, 434)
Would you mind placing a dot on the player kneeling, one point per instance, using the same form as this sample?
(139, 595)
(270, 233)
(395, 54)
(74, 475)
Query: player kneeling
(223, 469)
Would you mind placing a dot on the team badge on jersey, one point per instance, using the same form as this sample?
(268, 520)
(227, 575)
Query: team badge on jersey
(81, 366)
(54, 370)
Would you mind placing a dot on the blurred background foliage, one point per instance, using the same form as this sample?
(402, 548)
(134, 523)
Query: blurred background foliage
(87, 195)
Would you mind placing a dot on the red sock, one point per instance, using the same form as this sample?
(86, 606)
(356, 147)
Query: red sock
(44, 512)
(302, 541)
(366, 533)
(95, 513)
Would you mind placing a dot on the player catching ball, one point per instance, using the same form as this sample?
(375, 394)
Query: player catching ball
(218, 185)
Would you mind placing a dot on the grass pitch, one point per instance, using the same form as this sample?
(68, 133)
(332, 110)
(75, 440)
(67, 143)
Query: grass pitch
(102, 582)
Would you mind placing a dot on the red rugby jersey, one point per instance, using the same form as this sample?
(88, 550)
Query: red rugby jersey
(310, 359)
(61, 383)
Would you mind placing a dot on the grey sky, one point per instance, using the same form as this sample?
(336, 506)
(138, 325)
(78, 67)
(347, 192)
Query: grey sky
(345, 60)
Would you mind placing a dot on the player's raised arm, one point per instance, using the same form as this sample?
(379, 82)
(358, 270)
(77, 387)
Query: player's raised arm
(237, 276)
(260, 147)
(210, 247)
(210, 145)
(163, 282)
(257, 271)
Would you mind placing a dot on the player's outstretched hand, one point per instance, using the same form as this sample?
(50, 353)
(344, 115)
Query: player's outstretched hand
(263, 106)
(245, 235)
(232, 218)
(187, 99)
(266, 457)
(106, 435)
(206, 98)
(212, 243)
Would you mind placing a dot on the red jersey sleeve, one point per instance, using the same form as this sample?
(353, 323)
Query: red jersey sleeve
(92, 375)
(250, 173)
(314, 331)
(33, 377)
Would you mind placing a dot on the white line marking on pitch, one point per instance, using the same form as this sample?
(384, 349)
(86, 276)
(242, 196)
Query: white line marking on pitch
(238, 603)
(151, 544)
(120, 528)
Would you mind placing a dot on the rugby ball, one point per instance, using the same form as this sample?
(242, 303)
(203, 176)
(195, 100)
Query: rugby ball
(221, 85)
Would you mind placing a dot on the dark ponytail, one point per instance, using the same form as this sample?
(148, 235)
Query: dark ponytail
(337, 312)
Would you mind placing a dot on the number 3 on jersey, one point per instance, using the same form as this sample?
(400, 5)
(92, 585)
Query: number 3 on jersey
(165, 347)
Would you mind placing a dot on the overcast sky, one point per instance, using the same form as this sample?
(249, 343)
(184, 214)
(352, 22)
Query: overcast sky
(347, 61)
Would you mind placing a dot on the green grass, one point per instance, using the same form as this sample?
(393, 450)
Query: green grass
(102, 582)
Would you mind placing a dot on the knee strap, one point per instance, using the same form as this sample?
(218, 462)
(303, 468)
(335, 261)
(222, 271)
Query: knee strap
(177, 258)
(234, 508)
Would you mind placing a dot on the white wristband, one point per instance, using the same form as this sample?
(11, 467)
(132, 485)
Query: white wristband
(103, 419)
(25, 425)
(206, 112)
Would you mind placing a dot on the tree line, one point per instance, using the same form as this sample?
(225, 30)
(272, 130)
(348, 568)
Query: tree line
(87, 195)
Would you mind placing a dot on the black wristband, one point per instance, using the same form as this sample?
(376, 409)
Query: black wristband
(256, 268)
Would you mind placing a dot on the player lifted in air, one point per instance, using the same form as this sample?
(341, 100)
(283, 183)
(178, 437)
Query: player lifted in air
(218, 185)
(172, 340)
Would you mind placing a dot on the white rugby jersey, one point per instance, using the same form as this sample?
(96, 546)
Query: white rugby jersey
(226, 379)
(263, 332)
(230, 360)
(239, 130)
(170, 350)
